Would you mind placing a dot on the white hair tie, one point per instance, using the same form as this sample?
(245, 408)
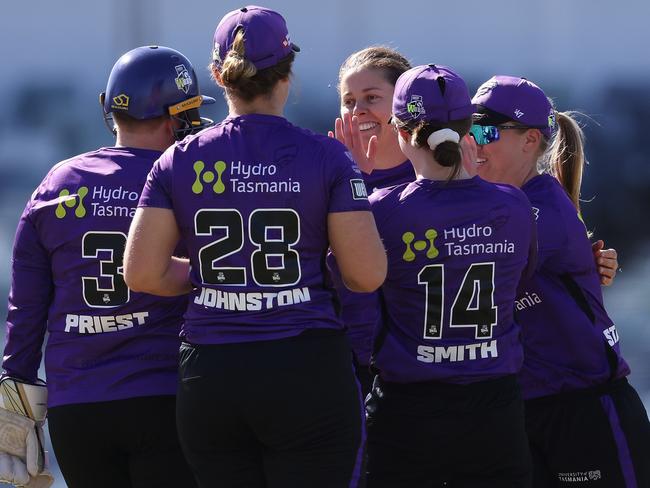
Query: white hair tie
(442, 135)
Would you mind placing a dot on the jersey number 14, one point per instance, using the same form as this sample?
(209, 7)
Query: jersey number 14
(472, 307)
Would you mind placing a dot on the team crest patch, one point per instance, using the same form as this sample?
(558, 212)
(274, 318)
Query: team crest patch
(216, 54)
(551, 119)
(358, 190)
(183, 78)
(415, 107)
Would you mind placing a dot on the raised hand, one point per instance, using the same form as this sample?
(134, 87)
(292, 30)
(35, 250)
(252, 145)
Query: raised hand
(346, 130)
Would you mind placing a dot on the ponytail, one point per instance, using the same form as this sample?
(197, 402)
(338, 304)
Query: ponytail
(235, 66)
(241, 78)
(566, 155)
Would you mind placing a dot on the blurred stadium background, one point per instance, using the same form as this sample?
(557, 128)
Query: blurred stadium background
(589, 55)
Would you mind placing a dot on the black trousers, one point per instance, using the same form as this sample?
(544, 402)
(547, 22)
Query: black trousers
(425, 435)
(596, 437)
(272, 414)
(124, 443)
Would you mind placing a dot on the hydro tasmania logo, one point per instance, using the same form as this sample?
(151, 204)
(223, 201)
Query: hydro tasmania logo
(97, 201)
(72, 200)
(408, 238)
(208, 177)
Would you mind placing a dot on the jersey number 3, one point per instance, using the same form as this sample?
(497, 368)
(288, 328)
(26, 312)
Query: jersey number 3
(110, 269)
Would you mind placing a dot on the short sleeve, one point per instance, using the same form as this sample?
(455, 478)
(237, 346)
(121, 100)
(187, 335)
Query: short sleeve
(157, 191)
(347, 190)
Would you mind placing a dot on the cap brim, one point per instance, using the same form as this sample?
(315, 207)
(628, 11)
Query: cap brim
(206, 100)
(485, 116)
(295, 47)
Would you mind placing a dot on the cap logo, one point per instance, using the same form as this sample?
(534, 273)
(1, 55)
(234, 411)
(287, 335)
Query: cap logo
(121, 102)
(518, 113)
(216, 54)
(415, 107)
(183, 78)
(551, 119)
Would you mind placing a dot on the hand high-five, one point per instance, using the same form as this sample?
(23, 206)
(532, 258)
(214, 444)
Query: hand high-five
(346, 130)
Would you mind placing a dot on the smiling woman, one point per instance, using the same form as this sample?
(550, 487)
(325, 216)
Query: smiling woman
(366, 84)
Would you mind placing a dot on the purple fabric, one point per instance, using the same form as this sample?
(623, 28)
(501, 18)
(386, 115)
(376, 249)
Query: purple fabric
(242, 170)
(519, 100)
(624, 457)
(360, 312)
(266, 39)
(564, 349)
(105, 342)
(432, 93)
(434, 233)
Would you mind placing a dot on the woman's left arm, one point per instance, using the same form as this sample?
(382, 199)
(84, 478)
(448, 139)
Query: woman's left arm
(149, 264)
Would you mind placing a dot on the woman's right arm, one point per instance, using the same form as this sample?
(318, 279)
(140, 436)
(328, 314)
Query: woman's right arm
(359, 252)
(149, 264)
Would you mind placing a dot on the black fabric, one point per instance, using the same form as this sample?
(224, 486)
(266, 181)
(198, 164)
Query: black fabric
(429, 435)
(365, 377)
(274, 414)
(485, 116)
(124, 443)
(578, 296)
(573, 442)
(380, 333)
(576, 293)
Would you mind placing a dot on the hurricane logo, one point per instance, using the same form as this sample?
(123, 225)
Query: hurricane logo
(551, 119)
(216, 53)
(183, 78)
(415, 107)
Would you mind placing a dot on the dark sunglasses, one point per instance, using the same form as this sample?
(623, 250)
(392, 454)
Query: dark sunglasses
(485, 134)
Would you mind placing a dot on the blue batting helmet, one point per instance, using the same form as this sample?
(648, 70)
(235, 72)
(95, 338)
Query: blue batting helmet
(151, 81)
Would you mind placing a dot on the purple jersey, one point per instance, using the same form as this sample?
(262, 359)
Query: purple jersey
(105, 341)
(569, 340)
(360, 312)
(456, 252)
(251, 198)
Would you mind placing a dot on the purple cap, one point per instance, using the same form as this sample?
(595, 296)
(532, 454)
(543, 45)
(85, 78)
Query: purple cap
(516, 99)
(266, 39)
(432, 93)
